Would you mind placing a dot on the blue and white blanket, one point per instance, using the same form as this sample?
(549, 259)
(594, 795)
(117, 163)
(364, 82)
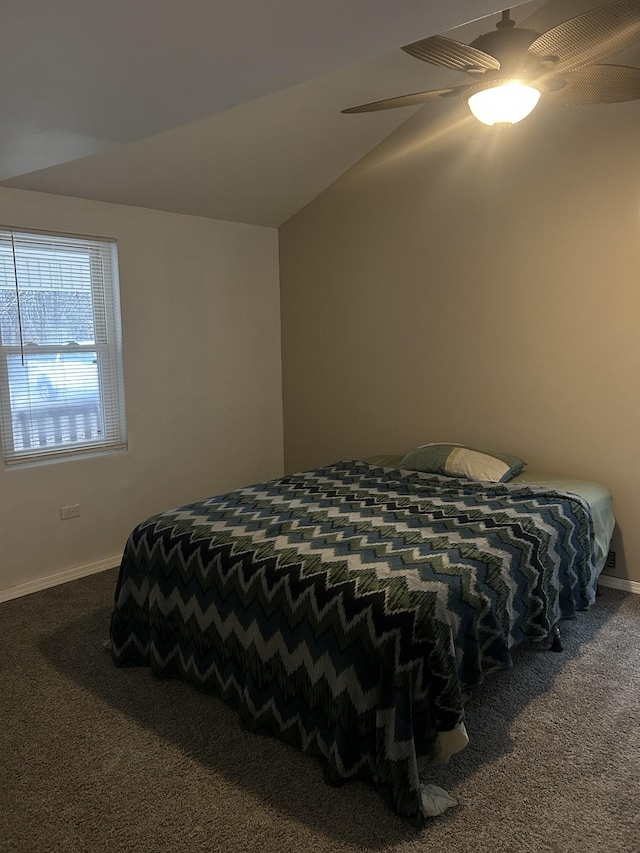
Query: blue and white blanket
(349, 609)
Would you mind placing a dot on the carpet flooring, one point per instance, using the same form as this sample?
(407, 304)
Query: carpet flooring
(95, 758)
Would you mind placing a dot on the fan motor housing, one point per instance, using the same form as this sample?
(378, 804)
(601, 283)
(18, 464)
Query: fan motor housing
(510, 47)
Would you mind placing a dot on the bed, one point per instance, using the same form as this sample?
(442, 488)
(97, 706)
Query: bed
(351, 609)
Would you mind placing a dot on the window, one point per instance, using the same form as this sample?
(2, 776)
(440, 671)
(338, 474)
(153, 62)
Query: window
(61, 390)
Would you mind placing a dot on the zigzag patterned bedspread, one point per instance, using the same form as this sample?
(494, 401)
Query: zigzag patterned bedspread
(347, 610)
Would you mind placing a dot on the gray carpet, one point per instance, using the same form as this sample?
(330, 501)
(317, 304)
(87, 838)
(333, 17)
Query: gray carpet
(94, 758)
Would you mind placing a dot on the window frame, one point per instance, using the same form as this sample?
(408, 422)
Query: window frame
(107, 345)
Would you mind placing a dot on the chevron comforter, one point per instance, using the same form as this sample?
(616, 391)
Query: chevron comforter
(347, 610)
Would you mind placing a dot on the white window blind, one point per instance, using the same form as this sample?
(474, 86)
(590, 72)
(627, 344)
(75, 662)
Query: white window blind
(61, 389)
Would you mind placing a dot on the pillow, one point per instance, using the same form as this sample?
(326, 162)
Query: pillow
(457, 460)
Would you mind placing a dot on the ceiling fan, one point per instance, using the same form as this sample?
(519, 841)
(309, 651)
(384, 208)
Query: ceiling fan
(513, 67)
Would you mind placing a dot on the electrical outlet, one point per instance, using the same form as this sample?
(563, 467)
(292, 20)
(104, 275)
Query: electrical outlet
(71, 511)
(611, 560)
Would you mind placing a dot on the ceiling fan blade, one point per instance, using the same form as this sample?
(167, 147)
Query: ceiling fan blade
(598, 84)
(405, 100)
(439, 50)
(591, 36)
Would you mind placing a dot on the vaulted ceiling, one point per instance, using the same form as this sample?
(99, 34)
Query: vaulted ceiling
(228, 109)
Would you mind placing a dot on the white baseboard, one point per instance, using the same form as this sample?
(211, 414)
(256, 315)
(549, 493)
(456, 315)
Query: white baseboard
(619, 583)
(60, 577)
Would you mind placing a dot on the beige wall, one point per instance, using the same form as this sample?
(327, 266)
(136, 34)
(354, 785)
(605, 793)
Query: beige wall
(201, 332)
(479, 291)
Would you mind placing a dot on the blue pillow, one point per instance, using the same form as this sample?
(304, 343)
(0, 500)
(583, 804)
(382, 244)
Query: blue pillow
(458, 460)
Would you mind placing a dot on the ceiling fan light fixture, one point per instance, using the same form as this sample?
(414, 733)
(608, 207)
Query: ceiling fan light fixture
(504, 103)
(518, 65)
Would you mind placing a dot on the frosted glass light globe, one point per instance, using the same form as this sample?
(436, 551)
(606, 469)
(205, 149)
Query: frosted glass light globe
(506, 103)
